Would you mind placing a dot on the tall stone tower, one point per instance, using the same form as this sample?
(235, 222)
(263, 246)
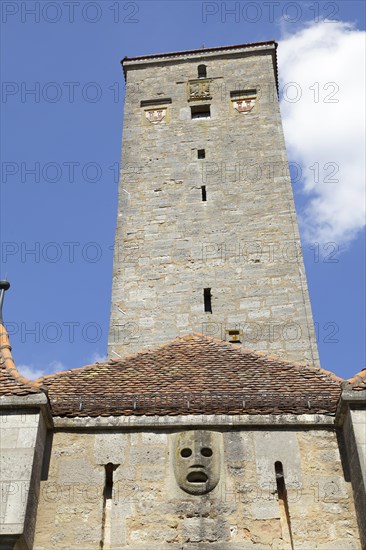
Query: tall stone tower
(207, 238)
(194, 444)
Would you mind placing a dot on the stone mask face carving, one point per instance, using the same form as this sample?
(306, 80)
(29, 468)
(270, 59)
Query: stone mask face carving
(197, 461)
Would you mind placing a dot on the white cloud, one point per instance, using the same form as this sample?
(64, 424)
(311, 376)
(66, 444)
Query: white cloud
(98, 358)
(32, 372)
(29, 371)
(327, 62)
(56, 366)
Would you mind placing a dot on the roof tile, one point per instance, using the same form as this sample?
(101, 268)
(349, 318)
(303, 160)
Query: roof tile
(11, 381)
(193, 374)
(357, 382)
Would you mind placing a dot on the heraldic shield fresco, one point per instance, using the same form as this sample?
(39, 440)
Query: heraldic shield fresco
(155, 115)
(199, 89)
(244, 106)
(197, 461)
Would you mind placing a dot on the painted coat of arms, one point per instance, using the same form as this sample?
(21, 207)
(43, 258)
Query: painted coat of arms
(199, 89)
(244, 105)
(155, 115)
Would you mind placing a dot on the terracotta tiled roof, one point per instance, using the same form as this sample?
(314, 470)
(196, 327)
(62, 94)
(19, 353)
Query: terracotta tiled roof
(193, 374)
(357, 382)
(11, 381)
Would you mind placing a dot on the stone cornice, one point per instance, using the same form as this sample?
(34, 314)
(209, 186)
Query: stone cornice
(26, 404)
(209, 421)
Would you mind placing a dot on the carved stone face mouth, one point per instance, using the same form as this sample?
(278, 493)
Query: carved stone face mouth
(197, 477)
(196, 461)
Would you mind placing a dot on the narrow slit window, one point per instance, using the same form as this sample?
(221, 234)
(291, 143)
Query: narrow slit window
(108, 488)
(207, 300)
(204, 195)
(280, 480)
(283, 503)
(201, 154)
(201, 111)
(107, 505)
(202, 71)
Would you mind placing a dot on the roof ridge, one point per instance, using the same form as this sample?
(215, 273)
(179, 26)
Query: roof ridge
(8, 365)
(263, 354)
(358, 376)
(358, 379)
(111, 361)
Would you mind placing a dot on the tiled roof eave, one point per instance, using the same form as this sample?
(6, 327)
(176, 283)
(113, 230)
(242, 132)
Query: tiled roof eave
(195, 374)
(12, 383)
(357, 382)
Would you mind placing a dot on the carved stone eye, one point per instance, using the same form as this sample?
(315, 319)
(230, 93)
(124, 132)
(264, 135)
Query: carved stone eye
(185, 453)
(206, 451)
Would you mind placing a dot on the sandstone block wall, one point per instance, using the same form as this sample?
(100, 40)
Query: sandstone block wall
(354, 430)
(242, 242)
(22, 439)
(148, 509)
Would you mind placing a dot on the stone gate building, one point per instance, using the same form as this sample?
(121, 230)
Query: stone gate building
(212, 425)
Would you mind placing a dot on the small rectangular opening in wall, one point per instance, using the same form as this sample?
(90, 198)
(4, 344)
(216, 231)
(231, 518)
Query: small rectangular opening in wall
(207, 300)
(202, 71)
(243, 93)
(204, 196)
(201, 111)
(201, 153)
(153, 102)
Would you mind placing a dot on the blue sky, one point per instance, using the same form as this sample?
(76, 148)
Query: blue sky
(69, 132)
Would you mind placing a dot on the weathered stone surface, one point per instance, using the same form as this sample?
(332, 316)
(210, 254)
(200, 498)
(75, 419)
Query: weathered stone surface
(22, 440)
(242, 242)
(110, 447)
(149, 510)
(205, 530)
(78, 471)
(197, 461)
(354, 429)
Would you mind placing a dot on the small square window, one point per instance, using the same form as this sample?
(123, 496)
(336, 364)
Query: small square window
(202, 71)
(200, 111)
(201, 153)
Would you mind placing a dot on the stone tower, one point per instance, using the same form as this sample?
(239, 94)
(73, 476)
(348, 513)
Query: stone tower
(207, 238)
(195, 443)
